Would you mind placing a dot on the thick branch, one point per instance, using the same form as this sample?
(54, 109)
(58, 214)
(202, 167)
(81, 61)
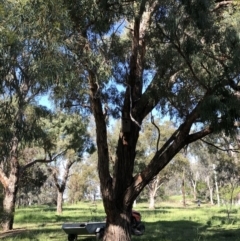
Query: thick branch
(198, 135)
(101, 132)
(152, 120)
(45, 160)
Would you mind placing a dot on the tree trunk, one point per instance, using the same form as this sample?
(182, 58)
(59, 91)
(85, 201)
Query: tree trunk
(183, 192)
(151, 201)
(217, 191)
(9, 208)
(59, 202)
(10, 193)
(194, 184)
(119, 227)
(211, 195)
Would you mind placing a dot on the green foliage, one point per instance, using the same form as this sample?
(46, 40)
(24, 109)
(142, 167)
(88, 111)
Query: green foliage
(84, 182)
(68, 131)
(31, 181)
(202, 190)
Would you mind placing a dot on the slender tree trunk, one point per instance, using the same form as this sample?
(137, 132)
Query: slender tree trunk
(194, 184)
(210, 188)
(183, 192)
(151, 201)
(211, 195)
(59, 202)
(217, 191)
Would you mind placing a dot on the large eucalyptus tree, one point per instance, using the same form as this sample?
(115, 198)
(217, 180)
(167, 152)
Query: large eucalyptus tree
(30, 61)
(177, 58)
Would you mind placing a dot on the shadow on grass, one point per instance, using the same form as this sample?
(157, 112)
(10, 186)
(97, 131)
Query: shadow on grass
(42, 218)
(46, 234)
(184, 230)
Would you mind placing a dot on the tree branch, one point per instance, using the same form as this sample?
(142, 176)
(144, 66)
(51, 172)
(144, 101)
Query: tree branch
(45, 160)
(223, 3)
(152, 121)
(198, 135)
(219, 148)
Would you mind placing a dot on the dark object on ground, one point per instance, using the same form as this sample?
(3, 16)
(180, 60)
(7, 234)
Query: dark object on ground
(97, 228)
(138, 228)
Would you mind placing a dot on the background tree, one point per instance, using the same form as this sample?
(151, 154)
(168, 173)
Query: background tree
(48, 192)
(84, 182)
(154, 135)
(30, 184)
(30, 62)
(70, 132)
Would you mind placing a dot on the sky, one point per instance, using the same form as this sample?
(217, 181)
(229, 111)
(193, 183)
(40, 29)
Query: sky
(44, 100)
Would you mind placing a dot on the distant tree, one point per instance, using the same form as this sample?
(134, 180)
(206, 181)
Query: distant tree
(75, 188)
(194, 176)
(212, 154)
(69, 132)
(229, 182)
(153, 136)
(30, 183)
(83, 182)
(48, 192)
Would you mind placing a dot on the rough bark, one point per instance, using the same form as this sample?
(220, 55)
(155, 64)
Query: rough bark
(10, 193)
(8, 210)
(118, 229)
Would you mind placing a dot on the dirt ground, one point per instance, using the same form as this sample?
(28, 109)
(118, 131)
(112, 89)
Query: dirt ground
(12, 232)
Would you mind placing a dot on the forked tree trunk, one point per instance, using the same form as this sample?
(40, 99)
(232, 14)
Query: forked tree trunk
(61, 187)
(194, 185)
(210, 188)
(59, 202)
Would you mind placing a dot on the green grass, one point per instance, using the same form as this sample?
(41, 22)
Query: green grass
(168, 222)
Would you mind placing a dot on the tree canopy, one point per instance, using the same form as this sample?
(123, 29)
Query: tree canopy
(126, 59)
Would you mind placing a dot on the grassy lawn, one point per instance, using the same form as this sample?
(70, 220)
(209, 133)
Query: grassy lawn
(168, 222)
